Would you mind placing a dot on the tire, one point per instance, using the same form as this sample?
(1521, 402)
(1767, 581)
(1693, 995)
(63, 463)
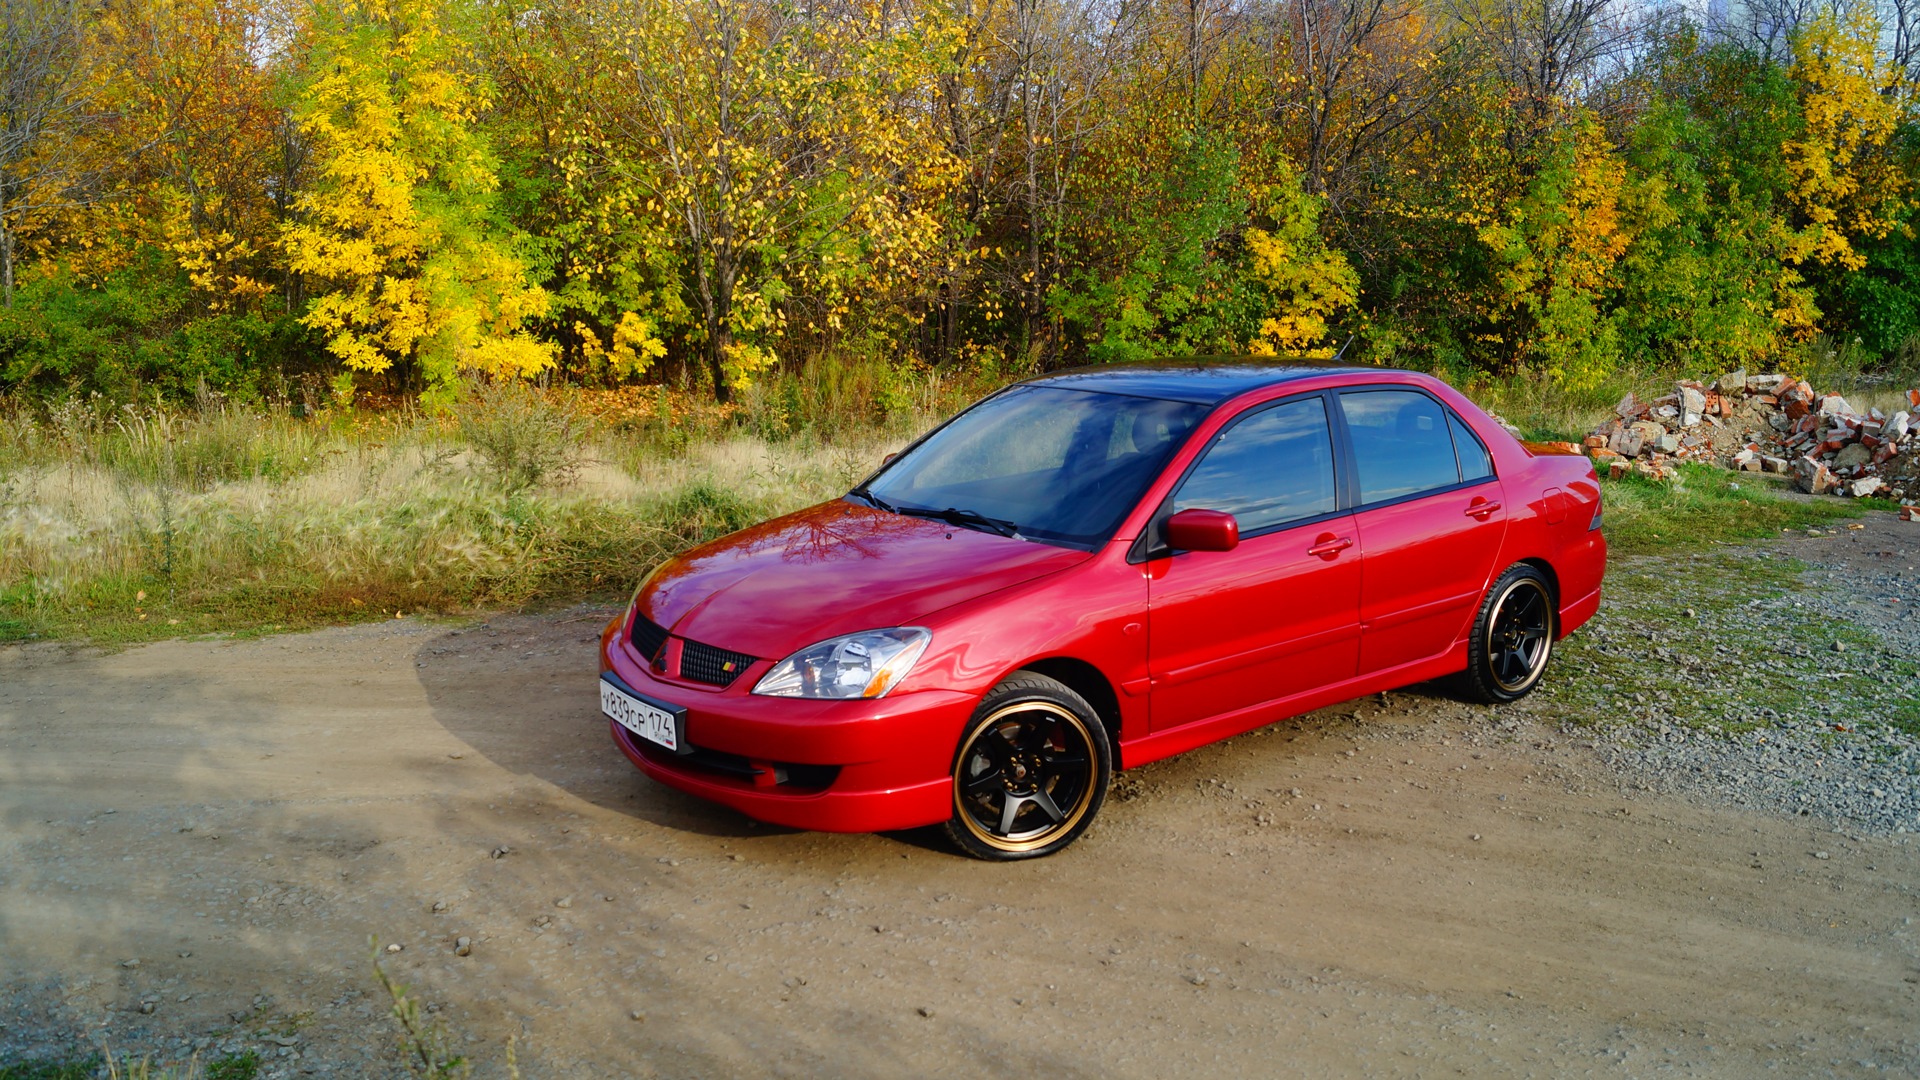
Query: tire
(1030, 773)
(1513, 637)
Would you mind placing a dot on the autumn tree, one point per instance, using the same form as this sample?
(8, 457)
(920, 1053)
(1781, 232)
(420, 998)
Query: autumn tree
(48, 108)
(787, 154)
(193, 91)
(397, 228)
(1846, 184)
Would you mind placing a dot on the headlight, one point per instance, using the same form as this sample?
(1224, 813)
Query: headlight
(863, 665)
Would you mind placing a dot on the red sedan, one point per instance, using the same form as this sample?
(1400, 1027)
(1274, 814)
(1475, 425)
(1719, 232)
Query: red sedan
(1092, 570)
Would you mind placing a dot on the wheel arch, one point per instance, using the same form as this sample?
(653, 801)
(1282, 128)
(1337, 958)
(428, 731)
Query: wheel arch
(1547, 571)
(1090, 683)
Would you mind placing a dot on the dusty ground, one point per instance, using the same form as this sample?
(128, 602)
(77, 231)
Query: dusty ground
(216, 830)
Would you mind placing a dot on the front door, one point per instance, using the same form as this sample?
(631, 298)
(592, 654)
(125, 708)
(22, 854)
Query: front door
(1277, 615)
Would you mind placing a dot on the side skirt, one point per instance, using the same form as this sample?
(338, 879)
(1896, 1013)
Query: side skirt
(1162, 744)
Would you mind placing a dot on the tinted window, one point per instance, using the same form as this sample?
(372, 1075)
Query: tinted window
(1400, 443)
(1272, 467)
(1062, 465)
(1474, 462)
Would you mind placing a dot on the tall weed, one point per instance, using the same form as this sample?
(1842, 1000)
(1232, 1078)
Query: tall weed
(523, 439)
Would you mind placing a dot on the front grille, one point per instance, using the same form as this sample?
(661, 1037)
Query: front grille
(710, 665)
(649, 637)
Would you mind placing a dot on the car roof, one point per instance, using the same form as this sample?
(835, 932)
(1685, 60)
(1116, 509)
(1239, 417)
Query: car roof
(1200, 380)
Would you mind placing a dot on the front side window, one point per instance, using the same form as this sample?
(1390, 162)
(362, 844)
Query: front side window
(1270, 468)
(1401, 444)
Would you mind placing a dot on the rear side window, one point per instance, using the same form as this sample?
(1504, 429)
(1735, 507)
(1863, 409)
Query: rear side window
(1401, 445)
(1475, 464)
(1273, 467)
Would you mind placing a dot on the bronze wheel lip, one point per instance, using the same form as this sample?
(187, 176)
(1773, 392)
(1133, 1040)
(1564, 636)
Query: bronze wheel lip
(1071, 816)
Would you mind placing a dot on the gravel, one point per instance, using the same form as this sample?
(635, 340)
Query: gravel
(1790, 683)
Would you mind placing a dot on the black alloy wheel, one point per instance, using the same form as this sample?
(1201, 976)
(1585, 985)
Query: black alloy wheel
(1512, 636)
(1031, 771)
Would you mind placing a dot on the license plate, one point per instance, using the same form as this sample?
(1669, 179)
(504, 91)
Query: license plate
(643, 718)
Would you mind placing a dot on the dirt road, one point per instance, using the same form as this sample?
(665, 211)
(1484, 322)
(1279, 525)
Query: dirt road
(200, 838)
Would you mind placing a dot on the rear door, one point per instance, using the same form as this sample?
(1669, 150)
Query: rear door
(1278, 614)
(1429, 519)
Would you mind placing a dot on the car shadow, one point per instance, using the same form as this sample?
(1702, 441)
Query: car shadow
(523, 692)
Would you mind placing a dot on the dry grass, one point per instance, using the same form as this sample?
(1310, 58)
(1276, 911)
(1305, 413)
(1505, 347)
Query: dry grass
(124, 524)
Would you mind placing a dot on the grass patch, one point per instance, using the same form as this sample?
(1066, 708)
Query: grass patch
(1705, 505)
(68, 1069)
(245, 1066)
(1728, 640)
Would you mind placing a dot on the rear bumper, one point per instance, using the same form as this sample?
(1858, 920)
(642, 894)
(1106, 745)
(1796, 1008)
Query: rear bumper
(832, 766)
(1578, 612)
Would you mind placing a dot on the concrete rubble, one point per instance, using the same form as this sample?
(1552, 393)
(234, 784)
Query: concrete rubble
(1772, 424)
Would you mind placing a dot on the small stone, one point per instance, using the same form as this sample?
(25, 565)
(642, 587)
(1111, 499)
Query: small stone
(924, 1011)
(564, 902)
(636, 1015)
(500, 852)
(439, 906)
(1822, 855)
(1196, 979)
(147, 1007)
(395, 947)
(463, 946)
(1476, 836)
(1839, 646)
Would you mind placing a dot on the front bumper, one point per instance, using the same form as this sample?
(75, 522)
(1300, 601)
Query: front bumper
(831, 766)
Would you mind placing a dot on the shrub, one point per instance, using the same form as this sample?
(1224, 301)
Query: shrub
(523, 439)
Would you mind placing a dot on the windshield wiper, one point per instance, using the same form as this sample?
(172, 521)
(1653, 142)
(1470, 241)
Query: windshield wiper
(971, 519)
(861, 492)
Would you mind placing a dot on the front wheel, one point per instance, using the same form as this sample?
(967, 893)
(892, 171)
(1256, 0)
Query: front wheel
(1512, 636)
(1031, 771)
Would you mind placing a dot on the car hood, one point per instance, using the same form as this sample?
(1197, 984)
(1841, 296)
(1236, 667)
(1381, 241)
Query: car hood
(833, 569)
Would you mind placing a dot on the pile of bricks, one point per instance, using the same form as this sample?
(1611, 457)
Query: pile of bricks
(1766, 423)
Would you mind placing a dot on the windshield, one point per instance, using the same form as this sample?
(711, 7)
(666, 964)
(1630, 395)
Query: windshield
(1060, 466)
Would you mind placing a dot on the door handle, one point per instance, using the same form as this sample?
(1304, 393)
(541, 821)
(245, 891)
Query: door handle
(1329, 547)
(1482, 509)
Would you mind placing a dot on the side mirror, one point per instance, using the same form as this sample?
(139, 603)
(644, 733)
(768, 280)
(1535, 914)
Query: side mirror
(888, 460)
(1203, 530)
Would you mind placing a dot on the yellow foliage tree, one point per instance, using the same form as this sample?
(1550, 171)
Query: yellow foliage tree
(198, 127)
(781, 151)
(1845, 183)
(397, 226)
(1306, 282)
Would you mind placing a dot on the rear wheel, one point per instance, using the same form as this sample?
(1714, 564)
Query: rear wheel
(1031, 771)
(1512, 636)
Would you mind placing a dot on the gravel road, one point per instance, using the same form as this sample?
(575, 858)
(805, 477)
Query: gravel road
(203, 841)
